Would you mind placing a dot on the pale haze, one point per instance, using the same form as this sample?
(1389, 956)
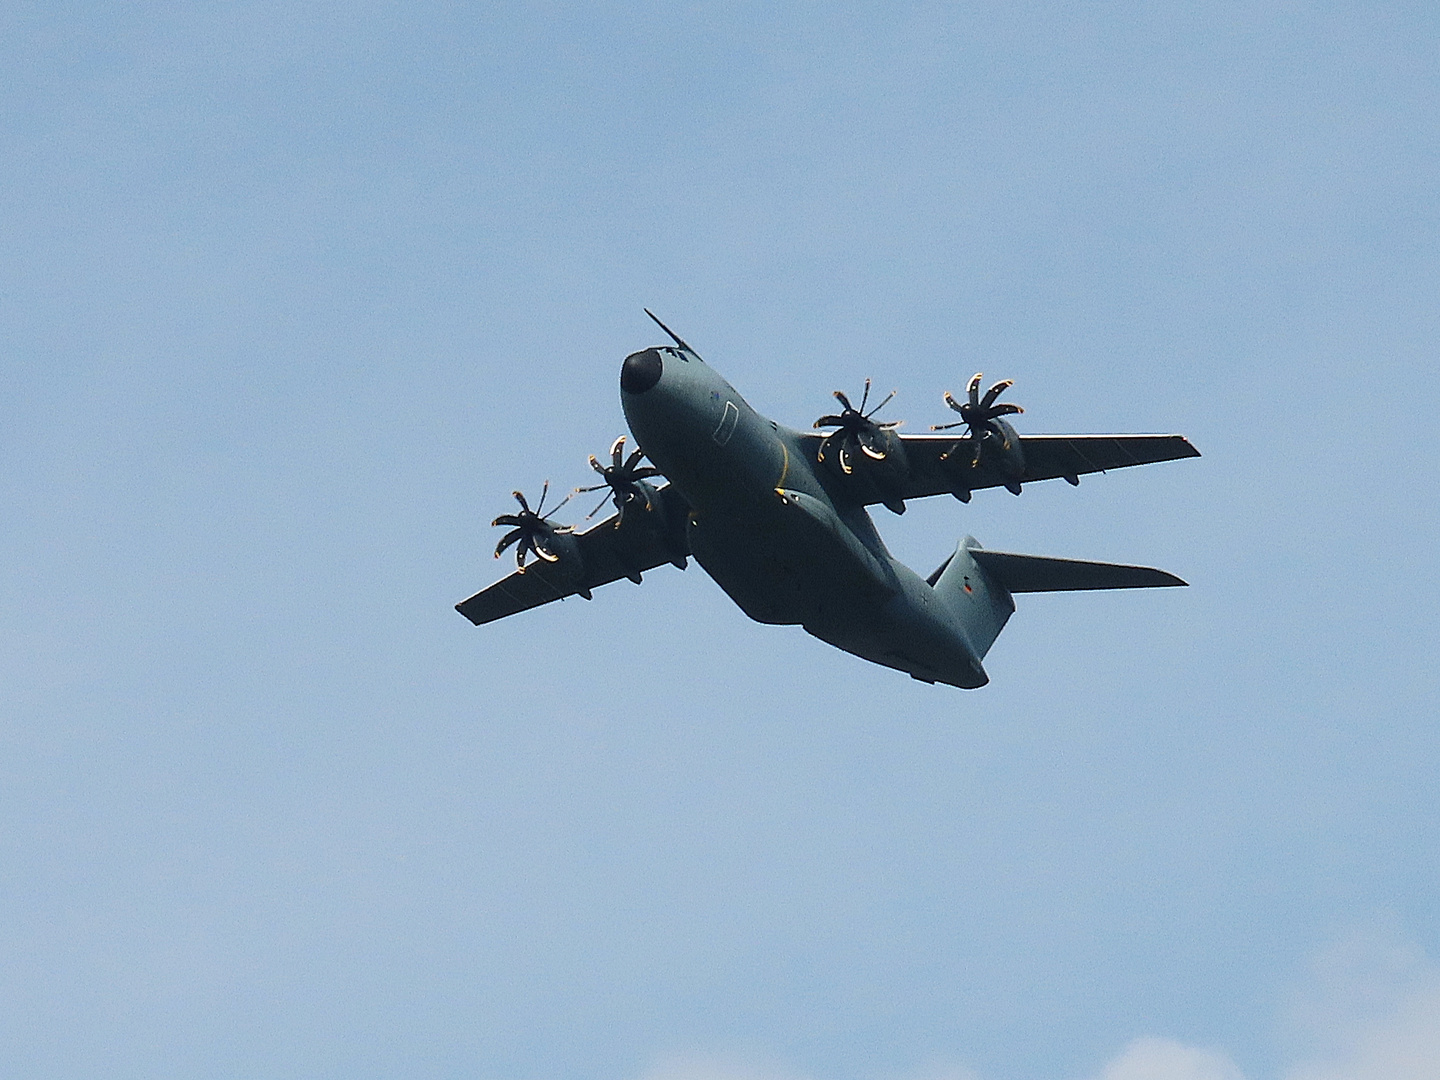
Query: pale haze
(292, 295)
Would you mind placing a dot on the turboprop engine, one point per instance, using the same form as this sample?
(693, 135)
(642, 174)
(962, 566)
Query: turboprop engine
(557, 555)
(639, 504)
(624, 481)
(989, 437)
(865, 453)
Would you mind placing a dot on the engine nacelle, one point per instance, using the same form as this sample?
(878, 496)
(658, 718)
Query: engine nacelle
(1001, 453)
(871, 478)
(567, 570)
(661, 513)
(1007, 454)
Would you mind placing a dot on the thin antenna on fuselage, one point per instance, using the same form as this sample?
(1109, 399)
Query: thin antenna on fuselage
(674, 336)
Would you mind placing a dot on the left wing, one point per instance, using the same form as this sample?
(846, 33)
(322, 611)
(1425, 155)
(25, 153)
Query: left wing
(1046, 458)
(608, 551)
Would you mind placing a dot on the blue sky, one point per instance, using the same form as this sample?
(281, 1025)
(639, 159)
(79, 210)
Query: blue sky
(293, 295)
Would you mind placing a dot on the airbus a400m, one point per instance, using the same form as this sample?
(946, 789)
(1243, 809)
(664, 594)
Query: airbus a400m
(778, 517)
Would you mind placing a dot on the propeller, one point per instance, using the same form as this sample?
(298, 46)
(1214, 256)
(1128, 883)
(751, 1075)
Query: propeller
(854, 428)
(531, 529)
(980, 416)
(622, 479)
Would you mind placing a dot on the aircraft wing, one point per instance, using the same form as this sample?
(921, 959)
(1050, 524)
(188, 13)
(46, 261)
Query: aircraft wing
(1046, 458)
(609, 551)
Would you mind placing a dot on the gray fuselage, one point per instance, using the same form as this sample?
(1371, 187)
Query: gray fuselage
(783, 537)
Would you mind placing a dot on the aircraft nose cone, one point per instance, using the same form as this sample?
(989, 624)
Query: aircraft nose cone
(641, 371)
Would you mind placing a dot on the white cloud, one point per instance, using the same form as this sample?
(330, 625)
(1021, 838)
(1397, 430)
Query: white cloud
(944, 1072)
(1164, 1059)
(721, 1068)
(1370, 1010)
(715, 1068)
(1404, 1045)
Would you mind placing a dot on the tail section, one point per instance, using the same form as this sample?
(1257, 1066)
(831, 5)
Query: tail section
(978, 584)
(980, 602)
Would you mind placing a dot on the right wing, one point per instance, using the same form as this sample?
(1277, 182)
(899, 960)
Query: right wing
(609, 551)
(1047, 457)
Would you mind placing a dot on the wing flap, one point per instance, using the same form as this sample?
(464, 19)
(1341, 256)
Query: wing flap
(510, 595)
(1050, 456)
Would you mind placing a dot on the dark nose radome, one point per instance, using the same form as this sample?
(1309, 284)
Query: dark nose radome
(641, 371)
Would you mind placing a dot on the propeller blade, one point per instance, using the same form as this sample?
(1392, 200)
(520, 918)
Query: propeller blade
(1005, 409)
(975, 388)
(508, 539)
(882, 404)
(601, 503)
(845, 401)
(952, 403)
(864, 397)
(520, 498)
(845, 459)
(995, 391)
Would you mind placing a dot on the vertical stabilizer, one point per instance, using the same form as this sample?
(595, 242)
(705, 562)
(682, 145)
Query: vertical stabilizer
(979, 602)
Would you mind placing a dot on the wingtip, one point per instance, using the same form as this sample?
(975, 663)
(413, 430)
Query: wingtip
(461, 608)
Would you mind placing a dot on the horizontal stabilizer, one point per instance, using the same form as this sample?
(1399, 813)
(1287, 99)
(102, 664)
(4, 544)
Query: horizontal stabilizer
(1036, 573)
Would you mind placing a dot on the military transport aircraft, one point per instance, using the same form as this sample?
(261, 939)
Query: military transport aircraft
(778, 517)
